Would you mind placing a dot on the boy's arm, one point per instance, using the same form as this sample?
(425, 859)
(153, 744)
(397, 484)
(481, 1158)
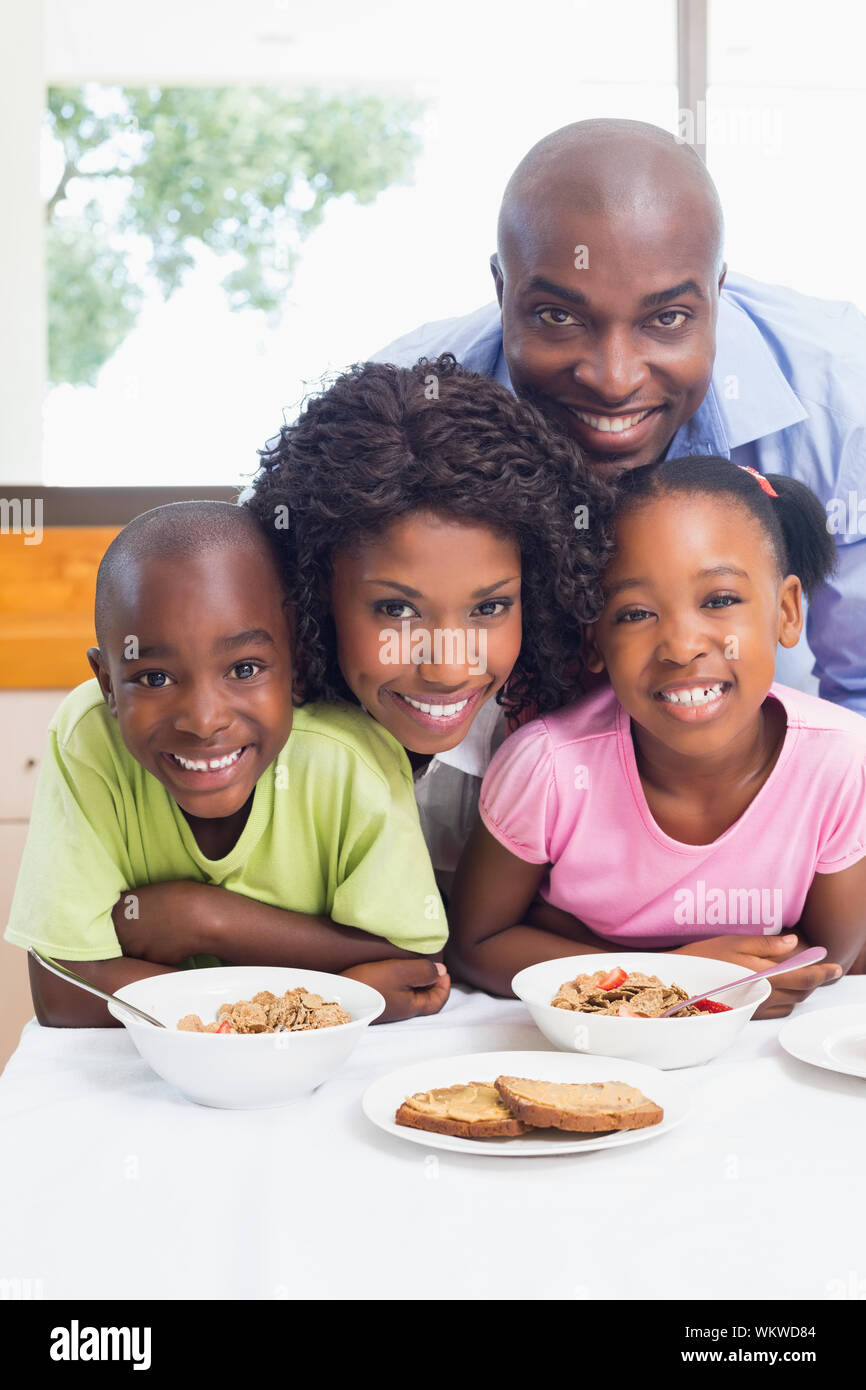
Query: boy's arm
(490, 901)
(59, 1004)
(176, 920)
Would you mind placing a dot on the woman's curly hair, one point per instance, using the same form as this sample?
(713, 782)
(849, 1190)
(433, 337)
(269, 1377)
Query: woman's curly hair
(386, 441)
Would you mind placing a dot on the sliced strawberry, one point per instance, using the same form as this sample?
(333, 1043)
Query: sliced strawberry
(225, 1026)
(712, 1006)
(613, 979)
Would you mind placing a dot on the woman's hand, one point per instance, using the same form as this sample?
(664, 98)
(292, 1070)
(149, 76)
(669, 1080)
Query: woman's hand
(755, 953)
(411, 986)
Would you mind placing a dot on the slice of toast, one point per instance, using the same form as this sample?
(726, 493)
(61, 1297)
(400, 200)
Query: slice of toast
(471, 1111)
(587, 1107)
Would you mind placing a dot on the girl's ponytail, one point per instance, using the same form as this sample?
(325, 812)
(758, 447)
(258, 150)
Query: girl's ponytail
(803, 521)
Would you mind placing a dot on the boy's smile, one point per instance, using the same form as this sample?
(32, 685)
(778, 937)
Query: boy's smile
(197, 670)
(447, 590)
(693, 613)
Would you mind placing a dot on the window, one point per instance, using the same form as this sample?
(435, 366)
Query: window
(785, 112)
(193, 389)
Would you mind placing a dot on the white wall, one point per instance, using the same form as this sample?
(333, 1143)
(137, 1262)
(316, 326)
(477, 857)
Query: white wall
(22, 294)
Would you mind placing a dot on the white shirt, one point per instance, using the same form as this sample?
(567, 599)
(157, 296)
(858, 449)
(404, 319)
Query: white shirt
(447, 790)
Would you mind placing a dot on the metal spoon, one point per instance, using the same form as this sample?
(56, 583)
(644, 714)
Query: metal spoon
(74, 979)
(808, 957)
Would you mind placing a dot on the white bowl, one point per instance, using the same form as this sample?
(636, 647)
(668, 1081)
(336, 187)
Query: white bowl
(659, 1042)
(243, 1071)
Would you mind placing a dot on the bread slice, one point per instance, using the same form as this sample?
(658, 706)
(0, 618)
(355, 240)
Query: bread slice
(593, 1106)
(471, 1111)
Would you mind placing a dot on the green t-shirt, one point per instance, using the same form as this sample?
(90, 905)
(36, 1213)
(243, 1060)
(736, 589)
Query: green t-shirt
(333, 830)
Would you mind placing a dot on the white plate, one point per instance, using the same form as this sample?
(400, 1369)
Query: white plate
(831, 1038)
(382, 1099)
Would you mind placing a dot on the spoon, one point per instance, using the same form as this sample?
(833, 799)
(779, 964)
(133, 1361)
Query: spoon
(808, 957)
(74, 979)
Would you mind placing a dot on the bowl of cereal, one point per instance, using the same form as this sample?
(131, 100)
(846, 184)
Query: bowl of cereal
(609, 1004)
(248, 1037)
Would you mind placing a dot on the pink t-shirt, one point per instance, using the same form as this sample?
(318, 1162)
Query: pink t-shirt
(565, 790)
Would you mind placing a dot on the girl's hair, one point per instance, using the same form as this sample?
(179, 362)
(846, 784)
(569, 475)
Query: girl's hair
(794, 519)
(383, 442)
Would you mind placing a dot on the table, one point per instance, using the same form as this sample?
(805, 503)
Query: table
(759, 1194)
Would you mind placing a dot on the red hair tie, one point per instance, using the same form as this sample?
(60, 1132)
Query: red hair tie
(762, 481)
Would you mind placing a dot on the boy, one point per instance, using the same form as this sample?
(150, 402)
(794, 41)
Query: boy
(176, 822)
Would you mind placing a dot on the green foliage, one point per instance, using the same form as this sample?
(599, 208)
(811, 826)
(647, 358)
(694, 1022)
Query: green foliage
(243, 170)
(92, 304)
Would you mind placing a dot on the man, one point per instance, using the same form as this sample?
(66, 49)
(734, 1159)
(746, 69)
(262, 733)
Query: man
(616, 317)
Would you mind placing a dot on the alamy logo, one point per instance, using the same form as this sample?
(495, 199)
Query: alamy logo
(21, 1288)
(22, 517)
(445, 646)
(728, 907)
(76, 1343)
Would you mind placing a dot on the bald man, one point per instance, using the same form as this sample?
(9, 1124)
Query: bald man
(616, 317)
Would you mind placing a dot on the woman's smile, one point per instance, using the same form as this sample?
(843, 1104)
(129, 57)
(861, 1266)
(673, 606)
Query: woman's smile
(437, 711)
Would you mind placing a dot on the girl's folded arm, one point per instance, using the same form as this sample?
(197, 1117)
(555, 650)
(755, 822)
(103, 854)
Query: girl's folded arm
(490, 937)
(834, 914)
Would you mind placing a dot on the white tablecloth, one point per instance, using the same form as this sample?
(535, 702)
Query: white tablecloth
(114, 1186)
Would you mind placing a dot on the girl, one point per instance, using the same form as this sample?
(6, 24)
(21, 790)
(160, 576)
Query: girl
(444, 546)
(694, 805)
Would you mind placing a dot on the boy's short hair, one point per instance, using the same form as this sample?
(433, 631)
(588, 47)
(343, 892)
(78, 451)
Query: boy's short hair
(177, 530)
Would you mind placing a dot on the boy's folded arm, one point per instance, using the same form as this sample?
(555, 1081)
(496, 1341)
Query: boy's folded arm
(59, 1004)
(248, 932)
(175, 920)
(489, 909)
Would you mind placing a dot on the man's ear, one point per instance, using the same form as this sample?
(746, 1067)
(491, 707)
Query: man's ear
(99, 667)
(592, 657)
(790, 611)
(496, 272)
(724, 272)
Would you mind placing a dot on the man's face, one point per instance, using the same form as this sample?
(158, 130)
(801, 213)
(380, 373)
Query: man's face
(614, 342)
(197, 669)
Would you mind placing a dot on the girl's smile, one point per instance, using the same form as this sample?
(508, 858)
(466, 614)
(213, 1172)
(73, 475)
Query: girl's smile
(695, 701)
(694, 611)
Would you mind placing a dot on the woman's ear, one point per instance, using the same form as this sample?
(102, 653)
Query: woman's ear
(593, 659)
(790, 611)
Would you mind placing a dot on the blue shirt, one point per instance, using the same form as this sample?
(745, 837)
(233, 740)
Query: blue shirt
(788, 395)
